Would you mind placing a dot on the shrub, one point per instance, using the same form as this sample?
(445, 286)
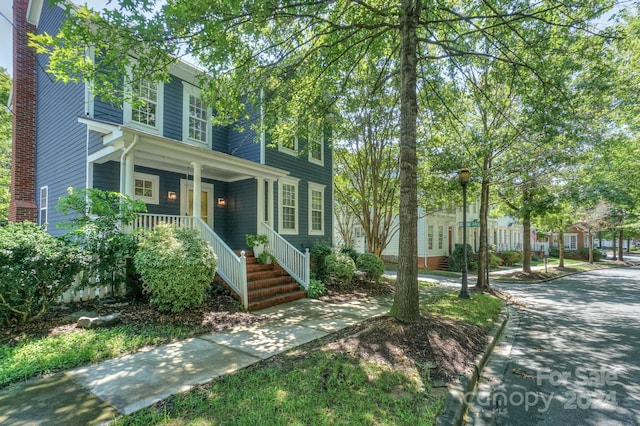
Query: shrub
(554, 252)
(494, 261)
(316, 289)
(340, 267)
(318, 253)
(371, 265)
(177, 266)
(457, 258)
(351, 252)
(35, 270)
(584, 254)
(510, 257)
(96, 226)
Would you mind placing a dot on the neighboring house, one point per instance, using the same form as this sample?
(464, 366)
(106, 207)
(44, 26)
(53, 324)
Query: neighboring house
(166, 154)
(439, 232)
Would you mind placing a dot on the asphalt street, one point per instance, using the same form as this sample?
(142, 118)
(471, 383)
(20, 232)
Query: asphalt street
(570, 354)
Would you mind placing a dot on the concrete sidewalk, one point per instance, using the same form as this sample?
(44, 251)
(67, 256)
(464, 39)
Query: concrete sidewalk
(99, 393)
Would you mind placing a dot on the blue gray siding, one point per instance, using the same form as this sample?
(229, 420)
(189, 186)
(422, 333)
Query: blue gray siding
(173, 109)
(242, 212)
(244, 144)
(61, 140)
(300, 167)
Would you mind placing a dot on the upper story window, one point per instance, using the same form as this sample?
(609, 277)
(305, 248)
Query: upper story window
(148, 114)
(146, 188)
(196, 124)
(316, 147)
(44, 206)
(289, 146)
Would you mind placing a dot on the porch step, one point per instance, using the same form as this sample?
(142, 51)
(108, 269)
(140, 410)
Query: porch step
(269, 285)
(443, 265)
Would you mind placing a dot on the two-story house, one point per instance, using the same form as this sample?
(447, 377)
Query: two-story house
(166, 153)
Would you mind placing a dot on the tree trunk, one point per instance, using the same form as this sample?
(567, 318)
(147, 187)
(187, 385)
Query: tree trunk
(406, 304)
(526, 243)
(590, 237)
(561, 248)
(482, 284)
(620, 241)
(613, 256)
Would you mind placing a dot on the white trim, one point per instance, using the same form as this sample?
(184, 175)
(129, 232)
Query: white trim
(292, 182)
(159, 116)
(288, 150)
(34, 10)
(155, 188)
(44, 199)
(317, 188)
(312, 137)
(189, 90)
(89, 98)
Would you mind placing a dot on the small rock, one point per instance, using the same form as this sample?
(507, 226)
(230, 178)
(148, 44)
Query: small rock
(95, 322)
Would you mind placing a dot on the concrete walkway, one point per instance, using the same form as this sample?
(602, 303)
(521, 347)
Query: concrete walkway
(98, 393)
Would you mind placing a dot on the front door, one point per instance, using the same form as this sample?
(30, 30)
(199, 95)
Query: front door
(206, 200)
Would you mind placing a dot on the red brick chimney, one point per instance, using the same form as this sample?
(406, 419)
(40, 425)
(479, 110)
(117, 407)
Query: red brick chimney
(23, 155)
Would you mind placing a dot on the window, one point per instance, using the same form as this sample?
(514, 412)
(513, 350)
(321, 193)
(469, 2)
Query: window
(146, 188)
(316, 209)
(196, 125)
(44, 205)
(288, 202)
(440, 237)
(290, 146)
(430, 237)
(148, 115)
(316, 147)
(495, 237)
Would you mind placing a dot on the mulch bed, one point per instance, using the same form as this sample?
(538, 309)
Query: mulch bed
(445, 346)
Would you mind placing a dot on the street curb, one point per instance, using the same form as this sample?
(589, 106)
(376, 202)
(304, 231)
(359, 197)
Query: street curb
(455, 405)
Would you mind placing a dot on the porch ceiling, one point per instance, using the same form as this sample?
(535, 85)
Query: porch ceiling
(167, 154)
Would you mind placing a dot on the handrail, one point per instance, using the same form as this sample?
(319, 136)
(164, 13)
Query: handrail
(231, 267)
(292, 260)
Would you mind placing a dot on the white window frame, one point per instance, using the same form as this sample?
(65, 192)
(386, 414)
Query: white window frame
(318, 136)
(293, 182)
(155, 188)
(288, 150)
(440, 237)
(43, 209)
(128, 111)
(430, 237)
(317, 188)
(189, 90)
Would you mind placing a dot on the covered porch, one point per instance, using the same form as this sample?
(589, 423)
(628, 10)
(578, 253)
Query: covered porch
(222, 196)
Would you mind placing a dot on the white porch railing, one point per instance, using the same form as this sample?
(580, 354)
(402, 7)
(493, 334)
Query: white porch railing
(231, 268)
(292, 260)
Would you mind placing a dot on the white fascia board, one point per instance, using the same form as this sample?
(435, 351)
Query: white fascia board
(99, 126)
(105, 152)
(34, 11)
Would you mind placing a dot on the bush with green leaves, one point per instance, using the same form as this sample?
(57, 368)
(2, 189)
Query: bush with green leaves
(177, 266)
(318, 253)
(584, 254)
(316, 289)
(96, 225)
(457, 258)
(511, 257)
(35, 270)
(371, 265)
(494, 261)
(340, 268)
(351, 252)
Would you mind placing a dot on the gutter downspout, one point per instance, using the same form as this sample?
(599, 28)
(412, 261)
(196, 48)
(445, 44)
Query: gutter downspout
(123, 162)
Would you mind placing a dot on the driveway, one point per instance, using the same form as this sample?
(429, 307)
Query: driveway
(570, 354)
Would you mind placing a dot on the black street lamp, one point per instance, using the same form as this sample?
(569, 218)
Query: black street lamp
(463, 174)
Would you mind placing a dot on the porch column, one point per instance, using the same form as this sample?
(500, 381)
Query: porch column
(197, 189)
(270, 205)
(129, 182)
(260, 204)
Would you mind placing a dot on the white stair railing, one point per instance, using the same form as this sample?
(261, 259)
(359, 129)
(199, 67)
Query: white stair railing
(292, 260)
(231, 267)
